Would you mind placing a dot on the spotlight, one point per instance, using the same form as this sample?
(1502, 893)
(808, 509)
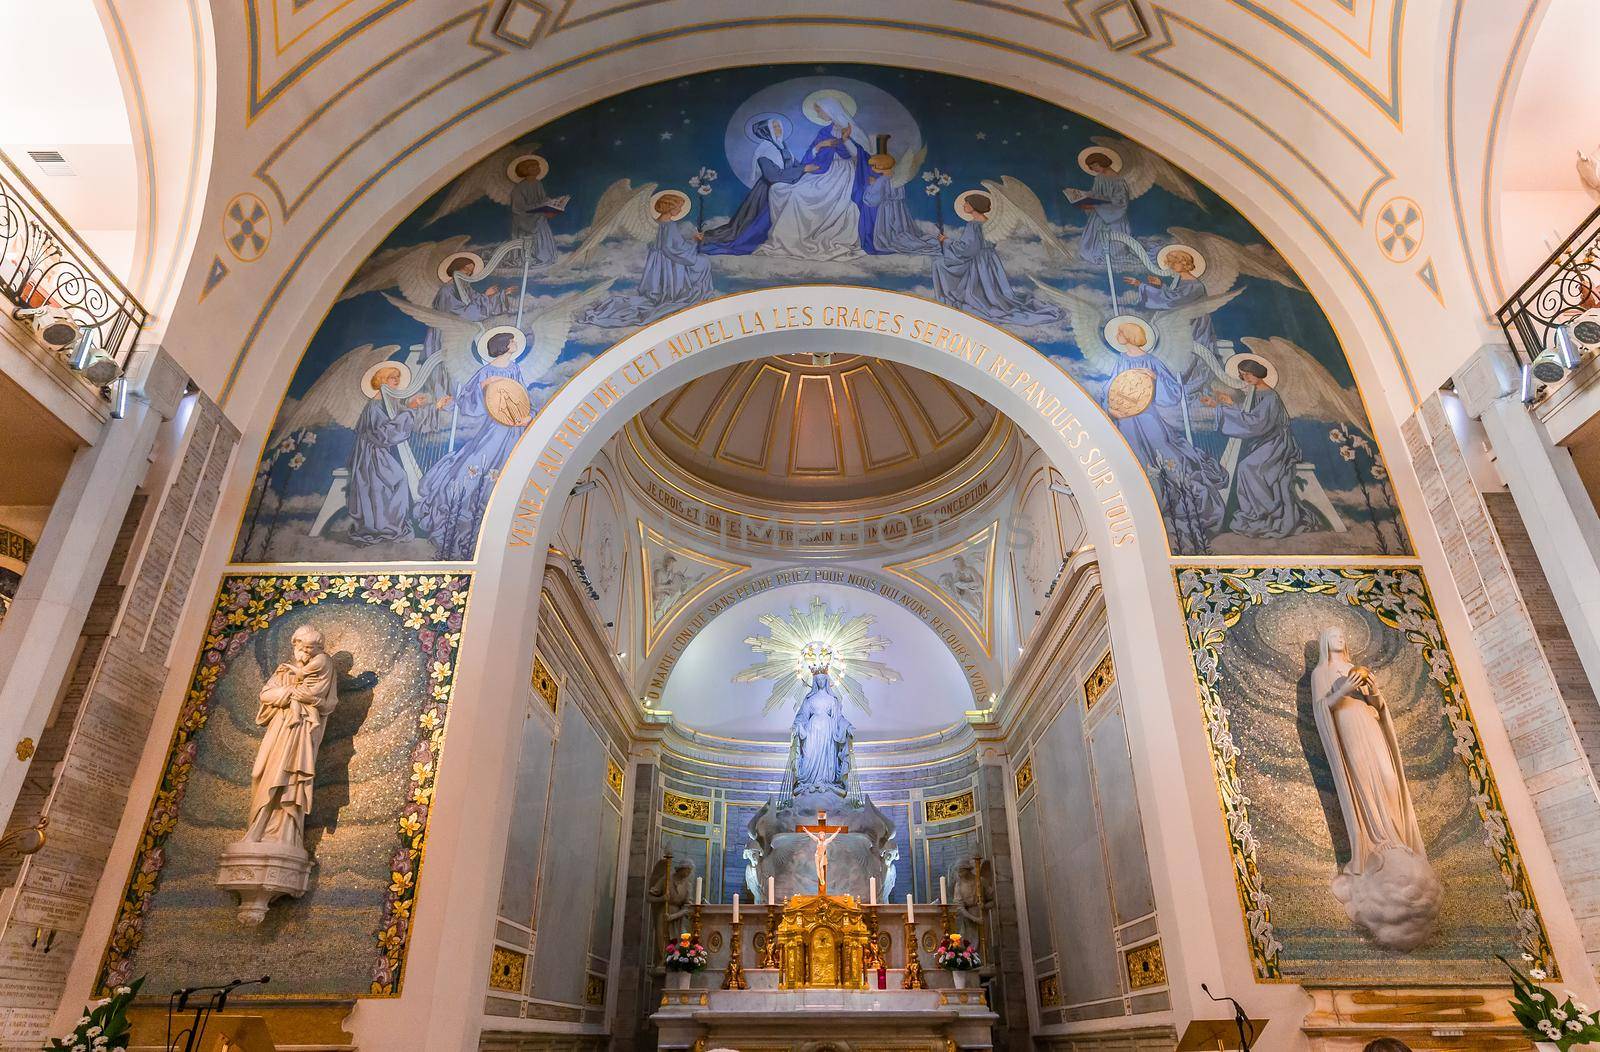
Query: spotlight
(1056, 487)
(1548, 366)
(101, 370)
(1528, 391)
(583, 487)
(57, 329)
(119, 398)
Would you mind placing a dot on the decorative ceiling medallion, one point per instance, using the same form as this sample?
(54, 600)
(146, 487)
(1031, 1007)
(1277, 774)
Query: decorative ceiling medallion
(1099, 680)
(1399, 229)
(694, 808)
(246, 227)
(522, 22)
(947, 807)
(962, 578)
(1121, 24)
(674, 578)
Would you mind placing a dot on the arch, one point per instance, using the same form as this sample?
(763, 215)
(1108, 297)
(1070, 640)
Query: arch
(472, 807)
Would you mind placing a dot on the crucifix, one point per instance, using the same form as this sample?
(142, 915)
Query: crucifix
(823, 834)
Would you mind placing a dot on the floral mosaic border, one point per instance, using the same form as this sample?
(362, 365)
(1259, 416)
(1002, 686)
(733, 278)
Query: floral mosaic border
(1213, 600)
(431, 604)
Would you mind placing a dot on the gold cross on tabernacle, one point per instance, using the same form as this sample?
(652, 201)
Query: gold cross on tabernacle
(822, 833)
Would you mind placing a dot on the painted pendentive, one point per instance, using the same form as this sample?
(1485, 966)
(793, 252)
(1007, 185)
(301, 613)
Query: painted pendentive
(1254, 634)
(393, 640)
(639, 206)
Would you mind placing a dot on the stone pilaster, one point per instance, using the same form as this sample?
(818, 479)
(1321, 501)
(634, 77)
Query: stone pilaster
(636, 989)
(1002, 943)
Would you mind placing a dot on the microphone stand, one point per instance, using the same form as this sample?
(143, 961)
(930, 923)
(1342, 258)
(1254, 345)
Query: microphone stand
(215, 1001)
(1241, 1018)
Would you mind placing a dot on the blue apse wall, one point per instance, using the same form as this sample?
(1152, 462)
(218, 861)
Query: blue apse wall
(1143, 284)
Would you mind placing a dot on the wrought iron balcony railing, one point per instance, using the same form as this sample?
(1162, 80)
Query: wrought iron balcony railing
(43, 262)
(1553, 321)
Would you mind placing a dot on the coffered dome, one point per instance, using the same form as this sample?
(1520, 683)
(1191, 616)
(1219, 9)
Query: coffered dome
(793, 429)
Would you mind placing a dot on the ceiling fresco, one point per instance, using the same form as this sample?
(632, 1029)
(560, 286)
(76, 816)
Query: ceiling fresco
(1200, 342)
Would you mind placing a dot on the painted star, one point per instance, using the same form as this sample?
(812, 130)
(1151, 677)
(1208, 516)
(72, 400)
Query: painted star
(665, 136)
(616, 142)
(982, 136)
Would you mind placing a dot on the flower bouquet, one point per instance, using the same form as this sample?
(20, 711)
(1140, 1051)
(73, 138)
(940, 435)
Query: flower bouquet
(959, 956)
(684, 956)
(104, 1026)
(1561, 1023)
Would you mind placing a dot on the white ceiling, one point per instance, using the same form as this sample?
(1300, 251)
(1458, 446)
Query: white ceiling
(1554, 113)
(701, 694)
(62, 93)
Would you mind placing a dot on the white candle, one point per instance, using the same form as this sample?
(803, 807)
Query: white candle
(699, 891)
(910, 917)
(942, 901)
(736, 907)
(872, 891)
(772, 891)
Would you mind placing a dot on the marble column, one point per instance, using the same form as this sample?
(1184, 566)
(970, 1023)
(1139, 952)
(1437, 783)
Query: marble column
(40, 634)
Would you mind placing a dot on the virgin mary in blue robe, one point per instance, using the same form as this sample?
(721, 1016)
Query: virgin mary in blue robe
(455, 491)
(773, 163)
(1264, 482)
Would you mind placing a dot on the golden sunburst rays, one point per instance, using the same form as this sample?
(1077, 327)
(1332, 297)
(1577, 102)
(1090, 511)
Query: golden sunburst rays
(816, 639)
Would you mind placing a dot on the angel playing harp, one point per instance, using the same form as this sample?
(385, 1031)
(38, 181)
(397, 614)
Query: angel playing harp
(1122, 171)
(675, 274)
(969, 274)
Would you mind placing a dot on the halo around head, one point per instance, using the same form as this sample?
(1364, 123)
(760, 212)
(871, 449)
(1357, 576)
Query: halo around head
(1232, 366)
(1110, 332)
(370, 389)
(519, 344)
(682, 209)
(516, 162)
(961, 198)
(809, 107)
(1193, 253)
(760, 119)
(1083, 157)
(472, 257)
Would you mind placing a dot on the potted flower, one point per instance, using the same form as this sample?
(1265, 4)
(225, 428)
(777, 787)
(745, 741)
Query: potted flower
(104, 1026)
(959, 956)
(1552, 1024)
(684, 957)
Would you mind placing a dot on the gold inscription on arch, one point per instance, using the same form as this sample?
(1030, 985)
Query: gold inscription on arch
(1105, 491)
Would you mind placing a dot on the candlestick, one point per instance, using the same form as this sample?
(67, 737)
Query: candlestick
(942, 899)
(910, 917)
(769, 953)
(733, 977)
(913, 977)
(694, 919)
(872, 891)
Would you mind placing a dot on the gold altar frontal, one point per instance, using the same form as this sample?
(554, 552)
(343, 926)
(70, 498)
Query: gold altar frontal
(822, 941)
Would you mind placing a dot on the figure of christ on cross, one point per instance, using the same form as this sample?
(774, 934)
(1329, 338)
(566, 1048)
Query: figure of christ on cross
(823, 834)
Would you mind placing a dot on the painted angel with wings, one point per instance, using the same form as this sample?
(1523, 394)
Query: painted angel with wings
(969, 275)
(675, 274)
(439, 276)
(1122, 170)
(894, 230)
(512, 176)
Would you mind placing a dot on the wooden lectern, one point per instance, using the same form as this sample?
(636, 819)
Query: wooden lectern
(237, 1033)
(1218, 1035)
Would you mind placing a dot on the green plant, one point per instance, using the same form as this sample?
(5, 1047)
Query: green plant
(104, 1026)
(1563, 1023)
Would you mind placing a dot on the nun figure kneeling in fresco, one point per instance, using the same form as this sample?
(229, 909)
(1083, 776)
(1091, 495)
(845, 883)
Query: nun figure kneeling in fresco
(379, 497)
(772, 164)
(675, 274)
(1269, 503)
(969, 275)
(491, 410)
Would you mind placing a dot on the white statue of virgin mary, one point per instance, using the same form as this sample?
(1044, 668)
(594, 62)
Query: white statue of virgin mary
(1387, 886)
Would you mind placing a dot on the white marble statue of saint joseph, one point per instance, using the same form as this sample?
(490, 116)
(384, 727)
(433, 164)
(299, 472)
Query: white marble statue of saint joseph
(1388, 885)
(271, 860)
(295, 705)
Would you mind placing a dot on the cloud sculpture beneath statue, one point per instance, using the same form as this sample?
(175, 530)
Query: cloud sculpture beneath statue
(1387, 886)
